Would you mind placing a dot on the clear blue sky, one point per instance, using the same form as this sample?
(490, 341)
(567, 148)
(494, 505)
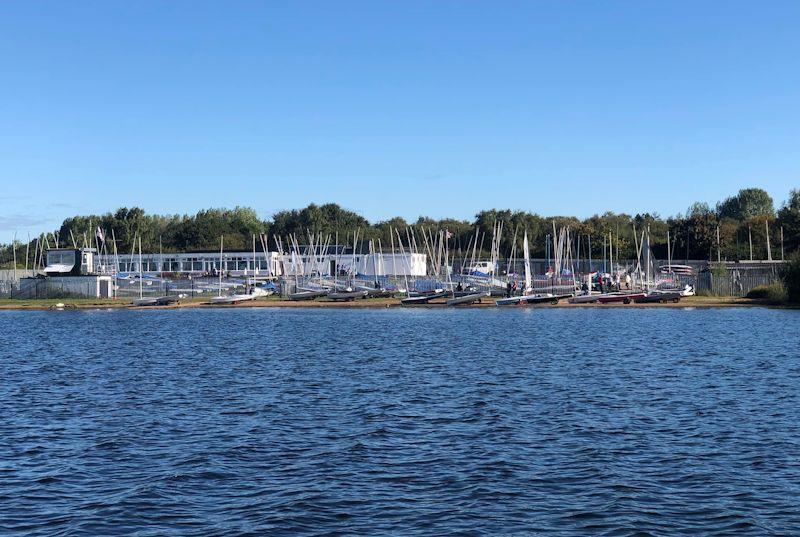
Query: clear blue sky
(393, 108)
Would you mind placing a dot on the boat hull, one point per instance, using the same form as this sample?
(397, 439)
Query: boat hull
(141, 302)
(379, 293)
(467, 299)
(307, 295)
(584, 299)
(529, 300)
(624, 298)
(660, 298)
(423, 299)
(346, 296)
(231, 299)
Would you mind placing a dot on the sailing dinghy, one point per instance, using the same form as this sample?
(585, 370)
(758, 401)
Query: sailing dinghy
(467, 299)
(346, 296)
(307, 295)
(660, 297)
(625, 298)
(423, 299)
(541, 298)
(254, 293)
(586, 298)
(527, 297)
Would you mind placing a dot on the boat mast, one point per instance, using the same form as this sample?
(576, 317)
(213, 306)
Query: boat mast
(402, 253)
(161, 259)
(140, 266)
(116, 261)
(526, 252)
(219, 292)
(769, 250)
(669, 254)
(611, 253)
(14, 248)
(648, 257)
(380, 254)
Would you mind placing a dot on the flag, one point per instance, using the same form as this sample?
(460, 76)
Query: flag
(447, 234)
(99, 234)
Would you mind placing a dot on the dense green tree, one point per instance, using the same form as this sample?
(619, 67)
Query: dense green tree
(692, 235)
(328, 218)
(748, 203)
(789, 218)
(698, 208)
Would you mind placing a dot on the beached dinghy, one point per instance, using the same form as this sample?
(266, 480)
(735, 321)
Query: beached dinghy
(658, 297)
(545, 298)
(585, 298)
(307, 295)
(346, 295)
(255, 292)
(625, 298)
(527, 300)
(423, 299)
(157, 301)
(510, 301)
(467, 299)
(230, 299)
(379, 293)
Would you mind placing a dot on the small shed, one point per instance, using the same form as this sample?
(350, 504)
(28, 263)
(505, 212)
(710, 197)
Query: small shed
(69, 262)
(68, 273)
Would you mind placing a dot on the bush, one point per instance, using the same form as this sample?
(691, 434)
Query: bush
(791, 277)
(719, 271)
(775, 292)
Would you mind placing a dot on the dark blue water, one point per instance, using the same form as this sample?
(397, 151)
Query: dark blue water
(476, 422)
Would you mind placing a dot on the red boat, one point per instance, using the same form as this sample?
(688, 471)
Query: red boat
(625, 298)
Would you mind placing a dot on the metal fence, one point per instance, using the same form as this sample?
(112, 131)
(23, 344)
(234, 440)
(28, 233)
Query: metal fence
(44, 289)
(52, 288)
(732, 284)
(194, 287)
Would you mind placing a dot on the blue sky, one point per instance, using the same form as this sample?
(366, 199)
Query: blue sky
(393, 108)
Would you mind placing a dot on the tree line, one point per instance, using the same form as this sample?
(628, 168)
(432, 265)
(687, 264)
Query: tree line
(748, 217)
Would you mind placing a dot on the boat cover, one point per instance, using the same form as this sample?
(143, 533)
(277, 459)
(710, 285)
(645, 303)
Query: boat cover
(59, 268)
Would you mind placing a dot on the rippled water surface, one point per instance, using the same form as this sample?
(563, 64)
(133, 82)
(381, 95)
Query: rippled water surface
(484, 422)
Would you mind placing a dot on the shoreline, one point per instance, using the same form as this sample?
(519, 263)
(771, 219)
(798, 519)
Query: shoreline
(379, 303)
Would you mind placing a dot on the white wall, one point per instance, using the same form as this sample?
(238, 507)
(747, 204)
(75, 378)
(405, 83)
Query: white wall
(286, 265)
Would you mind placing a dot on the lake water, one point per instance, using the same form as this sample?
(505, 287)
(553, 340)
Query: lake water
(401, 421)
